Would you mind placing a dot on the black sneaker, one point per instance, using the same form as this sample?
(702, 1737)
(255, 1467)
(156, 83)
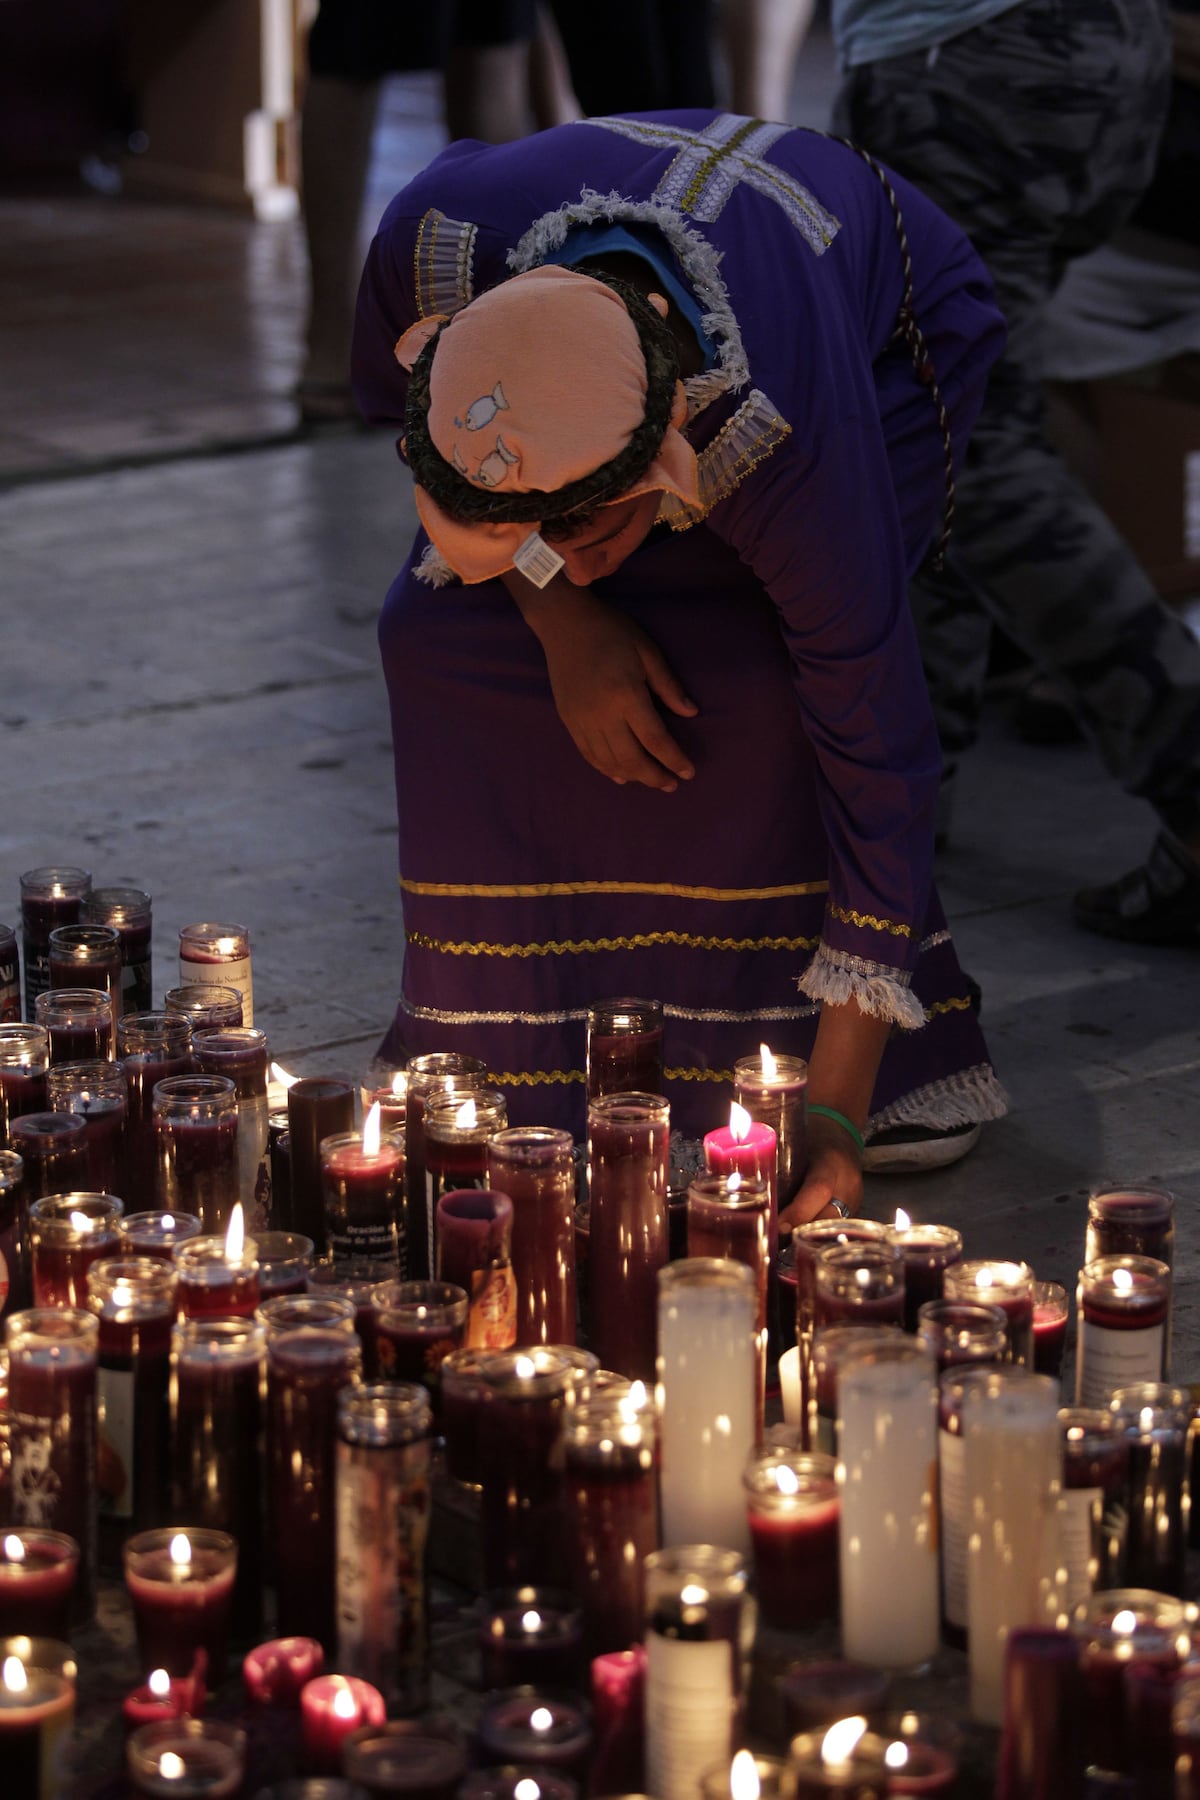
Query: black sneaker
(1156, 904)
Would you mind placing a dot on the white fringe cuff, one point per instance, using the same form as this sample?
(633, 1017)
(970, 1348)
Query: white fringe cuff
(967, 1097)
(433, 569)
(882, 994)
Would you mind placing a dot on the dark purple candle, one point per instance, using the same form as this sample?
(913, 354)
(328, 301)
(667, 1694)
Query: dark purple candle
(86, 956)
(326, 1281)
(928, 1251)
(80, 1023)
(240, 1054)
(1041, 1747)
(134, 1300)
(958, 1331)
(609, 1448)
(319, 1106)
(538, 1728)
(730, 1216)
(624, 1048)
(67, 1234)
(464, 1392)
(24, 1059)
(196, 1127)
(53, 1153)
(474, 1248)
(628, 1163)
(180, 1583)
(49, 898)
(96, 1092)
(205, 1004)
(10, 977)
(37, 1579)
(129, 911)
(520, 1427)
(1008, 1285)
(1156, 1420)
(362, 1175)
(441, 1071)
(860, 1284)
(218, 1277)
(15, 1289)
(1124, 1303)
(457, 1129)
(528, 1636)
(535, 1168)
(1132, 1221)
(417, 1326)
(1111, 1631)
(52, 1426)
(285, 1259)
(150, 1047)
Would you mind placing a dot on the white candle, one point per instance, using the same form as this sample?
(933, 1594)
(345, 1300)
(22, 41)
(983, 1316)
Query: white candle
(1013, 1481)
(887, 1447)
(707, 1374)
(789, 1385)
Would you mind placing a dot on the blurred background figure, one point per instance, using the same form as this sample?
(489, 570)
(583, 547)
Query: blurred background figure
(638, 55)
(761, 40)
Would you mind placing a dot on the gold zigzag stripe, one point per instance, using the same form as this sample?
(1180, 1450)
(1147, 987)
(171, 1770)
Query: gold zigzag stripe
(564, 1077)
(580, 946)
(538, 890)
(958, 1004)
(869, 919)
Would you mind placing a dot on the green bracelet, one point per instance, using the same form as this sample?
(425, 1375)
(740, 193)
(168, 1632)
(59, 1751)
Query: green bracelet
(830, 1112)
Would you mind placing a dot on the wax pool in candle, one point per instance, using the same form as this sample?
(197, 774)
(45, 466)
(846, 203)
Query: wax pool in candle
(186, 1757)
(68, 1233)
(274, 1674)
(792, 1501)
(37, 1575)
(332, 1707)
(37, 1705)
(180, 1584)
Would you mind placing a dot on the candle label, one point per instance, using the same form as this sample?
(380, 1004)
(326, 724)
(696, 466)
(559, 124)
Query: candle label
(254, 1164)
(367, 1242)
(1079, 1512)
(36, 1483)
(492, 1320)
(114, 1422)
(234, 974)
(1114, 1359)
(10, 990)
(689, 1713)
(952, 1493)
(382, 1527)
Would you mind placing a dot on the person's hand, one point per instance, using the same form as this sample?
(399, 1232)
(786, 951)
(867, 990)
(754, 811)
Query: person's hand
(605, 674)
(833, 1173)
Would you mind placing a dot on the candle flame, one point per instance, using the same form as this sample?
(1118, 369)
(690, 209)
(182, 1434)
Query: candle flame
(984, 1279)
(235, 1237)
(400, 1084)
(903, 1222)
(770, 1067)
(733, 1183)
(181, 1551)
(15, 1678)
(527, 1789)
(1125, 1623)
(372, 1130)
(344, 1703)
(541, 1718)
(743, 1777)
(1146, 1418)
(525, 1368)
(786, 1480)
(896, 1755)
(14, 1550)
(80, 1222)
(280, 1074)
(168, 1221)
(122, 1295)
(531, 1621)
(1122, 1280)
(466, 1118)
(159, 1684)
(226, 947)
(636, 1397)
(170, 1766)
(839, 1741)
(693, 1594)
(739, 1123)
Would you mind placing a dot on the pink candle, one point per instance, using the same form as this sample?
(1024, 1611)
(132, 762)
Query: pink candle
(748, 1148)
(331, 1708)
(163, 1697)
(180, 1584)
(274, 1674)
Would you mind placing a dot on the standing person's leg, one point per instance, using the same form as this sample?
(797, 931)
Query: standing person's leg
(638, 55)
(1037, 135)
(762, 39)
(487, 74)
(336, 126)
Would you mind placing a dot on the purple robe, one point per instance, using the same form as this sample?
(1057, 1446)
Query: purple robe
(796, 865)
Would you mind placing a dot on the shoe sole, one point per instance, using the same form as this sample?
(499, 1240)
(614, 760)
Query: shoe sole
(924, 1153)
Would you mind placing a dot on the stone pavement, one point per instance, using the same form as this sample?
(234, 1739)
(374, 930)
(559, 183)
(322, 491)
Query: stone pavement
(193, 702)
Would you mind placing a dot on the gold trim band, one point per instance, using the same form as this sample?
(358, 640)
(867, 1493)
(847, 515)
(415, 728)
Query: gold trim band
(539, 890)
(580, 946)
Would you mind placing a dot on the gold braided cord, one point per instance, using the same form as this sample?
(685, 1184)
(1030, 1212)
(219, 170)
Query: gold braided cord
(568, 1077)
(960, 1003)
(848, 917)
(579, 946)
(540, 890)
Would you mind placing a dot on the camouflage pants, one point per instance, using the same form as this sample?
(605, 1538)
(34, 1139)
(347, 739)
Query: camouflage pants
(1037, 132)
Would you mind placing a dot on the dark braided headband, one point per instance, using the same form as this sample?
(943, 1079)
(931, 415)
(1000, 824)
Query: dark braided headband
(568, 508)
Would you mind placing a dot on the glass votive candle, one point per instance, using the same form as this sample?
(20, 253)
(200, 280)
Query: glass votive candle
(464, 1391)
(37, 1707)
(860, 1284)
(1051, 1311)
(417, 1325)
(424, 1759)
(49, 898)
(457, 1129)
(51, 1420)
(1041, 1747)
(844, 1762)
(196, 1133)
(1185, 1735)
(180, 1584)
(218, 954)
(1131, 1221)
(174, 1757)
(699, 1630)
(386, 1087)
(773, 1090)
(80, 1024)
(474, 1252)
(319, 1312)
(1156, 1420)
(747, 1777)
(1124, 1303)
(730, 1216)
(611, 1516)
(921, 1751)
(206, 1004)
(817, 1694)
(327, 1281)
(535, 1167)
(67, 1234)
(14, 1275)
(86, 956)
(37, 1577)
(537, 1727)
(129, 910)
(437, 1072)
(1114, 1630)
(362, 1180)
(829, 1345)
(157, 1234)
(529, 1636)
(285, 1259)
(928, 1251)
(24, 1060)
(151, 1047)
(53, 1151)
(218, 1278)
(10, 976)
(134, 1300)
(332, 1707)
(95, 1091)
(958, 1331)
(1093, 1519)
(1008, 1285)
(624, 1047)
(792, 1503)
(520, 1428)
(273, 1674)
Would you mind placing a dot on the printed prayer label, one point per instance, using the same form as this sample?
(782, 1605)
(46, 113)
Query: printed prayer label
(689, 1713)
(952, 1491)
(1079, 1513)
(1115, 1359)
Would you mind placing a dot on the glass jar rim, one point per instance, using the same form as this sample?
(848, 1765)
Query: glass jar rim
(751, 1194)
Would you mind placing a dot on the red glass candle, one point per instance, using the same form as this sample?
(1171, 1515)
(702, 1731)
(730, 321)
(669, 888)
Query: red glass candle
(218, 1276)
(53, 1154)
(207, 1003)
(327, 1283)
(423, 1759)
(160, 1698)
(211, 953)
(1051, 1311)
(808, 1241)
(729, 1215)
(628, 1171)
(441, 1071)
(1008, 1285)
(773, 1090)
(541, 1729)
(217, 1399)
(529, 1636)
(134, 1300)
(95, 1091)
(792, 1504)
(609, 1451)
(474, 1251)
(386, 1088)
(239, 1053)
(129, 911)
(928, 1251)
(151, 1047)
(306, 1370)
(52, 1430)
(362, 1175)
(195, 1122)
(457, 1129)
(15, 1290)
(860, 1284)
(274, 1674)
(80, 1024)
(535, 1168)
(10, 976)
(86, 956)
(67, 1234)
(1092, 1516)
(49, 898)
(37, 1705)
(417, 1325)
(186, 1756)
(1132, 1221)
(332, 1708)
(624, 1048)
(1113, 1630)
(1123, 1304)
(1041, 1744)
(319, 1106)
(157, 1234)
(180, 1585)
(37, 1578)
(24, 1060)
(464, 1391)
(520, 1427)
(958, 1331)
(285, 1260)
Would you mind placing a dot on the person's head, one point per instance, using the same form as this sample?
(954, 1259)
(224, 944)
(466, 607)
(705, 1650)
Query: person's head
(551, 405)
